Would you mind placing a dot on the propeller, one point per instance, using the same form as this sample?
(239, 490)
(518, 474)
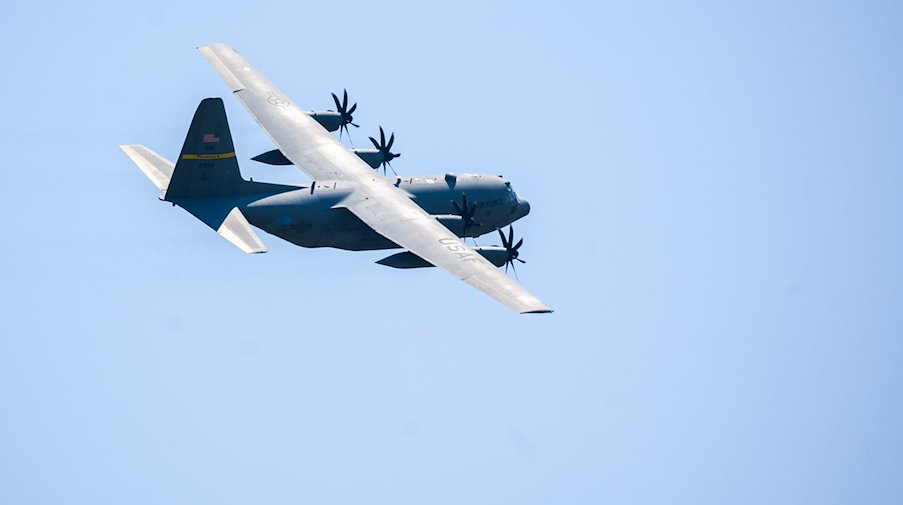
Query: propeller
(342, 108)
(385, 148)
(466, 212)
(511, 248)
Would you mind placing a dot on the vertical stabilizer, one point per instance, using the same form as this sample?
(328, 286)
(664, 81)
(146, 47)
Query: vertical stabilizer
(207, 165)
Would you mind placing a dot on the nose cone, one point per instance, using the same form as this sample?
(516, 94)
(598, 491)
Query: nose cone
(523, 208)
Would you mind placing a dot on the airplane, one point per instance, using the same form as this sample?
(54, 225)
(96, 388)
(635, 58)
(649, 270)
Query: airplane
(347, 205)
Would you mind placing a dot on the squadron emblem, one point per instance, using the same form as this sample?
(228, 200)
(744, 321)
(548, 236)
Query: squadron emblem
(276, 100)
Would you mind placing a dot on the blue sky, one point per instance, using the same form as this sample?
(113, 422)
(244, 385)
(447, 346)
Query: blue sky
(716, 220)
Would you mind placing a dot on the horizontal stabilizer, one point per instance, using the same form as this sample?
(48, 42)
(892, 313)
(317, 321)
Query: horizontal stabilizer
(236, 229)
(157, 168)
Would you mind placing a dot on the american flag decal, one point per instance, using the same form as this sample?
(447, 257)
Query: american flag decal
(210, 138)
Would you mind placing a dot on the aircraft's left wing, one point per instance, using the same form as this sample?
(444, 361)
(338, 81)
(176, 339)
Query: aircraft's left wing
(300, 138)
(376, 202)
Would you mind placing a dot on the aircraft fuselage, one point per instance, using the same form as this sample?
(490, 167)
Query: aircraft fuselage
(307, 215)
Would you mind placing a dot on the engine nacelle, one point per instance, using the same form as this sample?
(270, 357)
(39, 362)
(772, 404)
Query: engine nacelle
(274, 157)
(372, 157)
(327, 119)
(495, 254)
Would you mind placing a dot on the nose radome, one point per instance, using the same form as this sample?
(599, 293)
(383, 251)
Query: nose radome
(523, 207)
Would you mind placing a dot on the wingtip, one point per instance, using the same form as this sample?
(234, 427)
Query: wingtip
(225, 63)
(214, 45)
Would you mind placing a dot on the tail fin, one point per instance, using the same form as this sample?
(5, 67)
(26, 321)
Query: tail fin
(207, 165)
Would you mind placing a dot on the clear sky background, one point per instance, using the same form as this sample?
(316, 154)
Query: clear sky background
(716, 220)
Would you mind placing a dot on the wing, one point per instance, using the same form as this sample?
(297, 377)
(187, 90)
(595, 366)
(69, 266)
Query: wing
(300, 138)
(393, 215)
(376, 202)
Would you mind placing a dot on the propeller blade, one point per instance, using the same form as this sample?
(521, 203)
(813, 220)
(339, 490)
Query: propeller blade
(338, 106)
(345, 101)
(467, 212)
(511, 248)
(375, 144)
(382, 138)
(391, 141)
(352, 109)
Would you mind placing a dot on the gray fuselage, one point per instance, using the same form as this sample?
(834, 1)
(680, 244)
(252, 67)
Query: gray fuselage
(306, 215)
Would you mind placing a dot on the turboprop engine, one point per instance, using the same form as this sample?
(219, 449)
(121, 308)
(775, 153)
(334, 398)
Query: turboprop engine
(381, 156)
(338, 119)
(506, 254)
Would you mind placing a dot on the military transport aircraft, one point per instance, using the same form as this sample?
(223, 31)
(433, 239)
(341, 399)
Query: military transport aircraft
(348, 205)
